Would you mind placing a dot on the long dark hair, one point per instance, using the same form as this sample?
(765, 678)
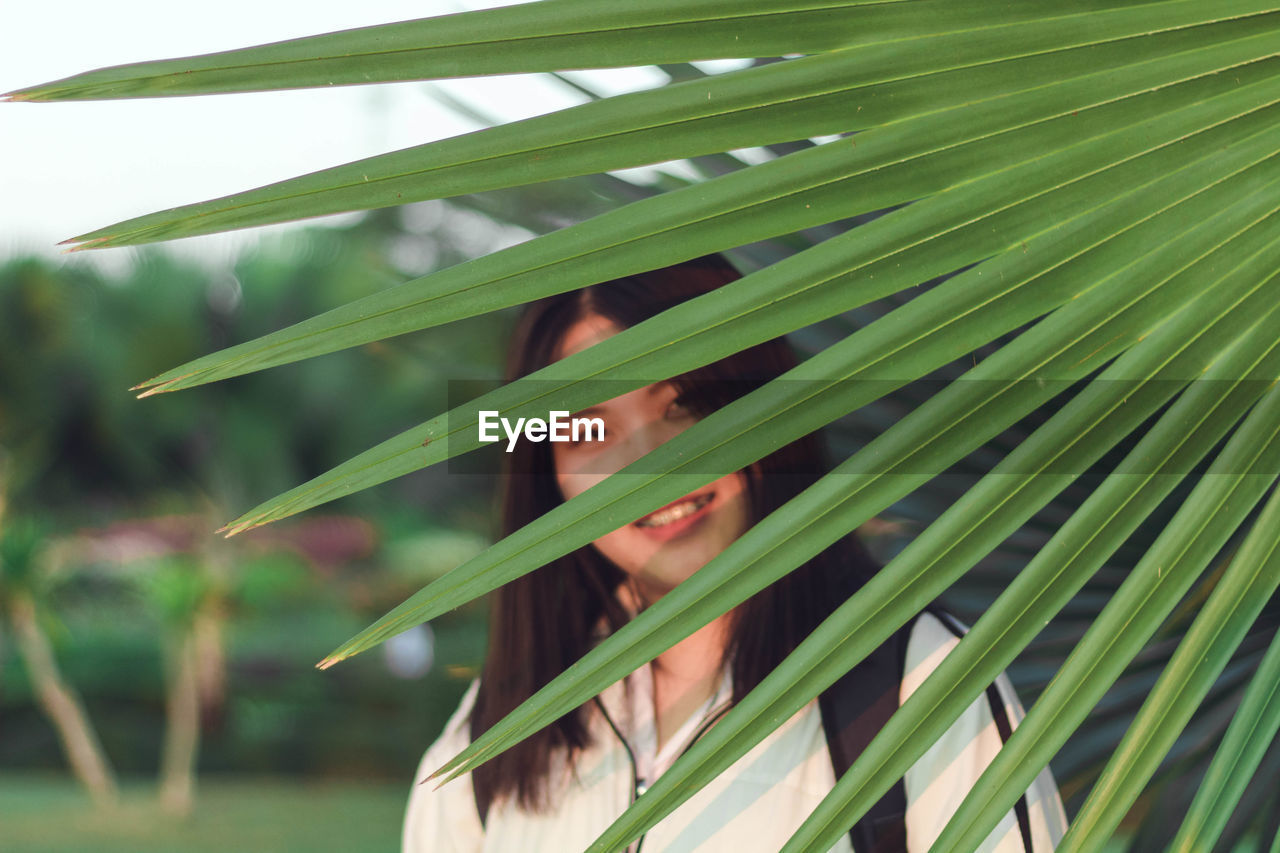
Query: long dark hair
(527, 648)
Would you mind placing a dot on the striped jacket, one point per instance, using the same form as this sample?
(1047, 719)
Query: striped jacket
(756, 804)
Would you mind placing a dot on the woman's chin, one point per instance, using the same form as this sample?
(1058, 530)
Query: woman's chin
(673, 565)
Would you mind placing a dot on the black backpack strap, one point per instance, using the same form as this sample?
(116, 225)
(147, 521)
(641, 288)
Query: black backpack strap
(854, 710)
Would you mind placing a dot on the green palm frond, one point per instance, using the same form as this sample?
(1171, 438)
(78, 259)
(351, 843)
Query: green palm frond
(1087, 194)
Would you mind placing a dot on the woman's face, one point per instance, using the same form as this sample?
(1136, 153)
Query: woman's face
(670, 544)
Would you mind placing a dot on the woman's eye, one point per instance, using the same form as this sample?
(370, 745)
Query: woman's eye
(588, 436)
(678, 410)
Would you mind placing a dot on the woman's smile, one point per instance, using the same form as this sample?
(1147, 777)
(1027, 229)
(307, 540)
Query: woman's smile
(677, 517)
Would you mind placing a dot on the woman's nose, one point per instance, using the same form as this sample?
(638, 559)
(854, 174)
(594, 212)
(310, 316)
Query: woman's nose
(644, 438)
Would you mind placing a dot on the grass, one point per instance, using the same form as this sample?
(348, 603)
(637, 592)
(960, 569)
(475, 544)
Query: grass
(49, 814)
(41, 813)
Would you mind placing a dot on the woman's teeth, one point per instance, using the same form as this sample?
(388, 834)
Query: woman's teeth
(675, 513)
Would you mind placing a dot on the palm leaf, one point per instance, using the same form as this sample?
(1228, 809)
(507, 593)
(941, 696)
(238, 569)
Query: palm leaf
(1239, 478)
(924, 569)
(1196, 422)
(751, 107)
(1098, 180)
(1252, 730)
(945, 232)
(892, 166)
(569, 34)
(1219, 628)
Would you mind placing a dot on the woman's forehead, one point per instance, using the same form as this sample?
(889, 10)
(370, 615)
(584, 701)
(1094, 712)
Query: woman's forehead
(587, 331)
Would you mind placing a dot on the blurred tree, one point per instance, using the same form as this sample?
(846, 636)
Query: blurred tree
(23, 583)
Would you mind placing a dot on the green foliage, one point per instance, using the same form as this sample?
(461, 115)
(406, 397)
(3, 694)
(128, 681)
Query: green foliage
(269, 580)
(1100, 183)
(176, 587)
(90, 468)
(72, 339)
(21, 541)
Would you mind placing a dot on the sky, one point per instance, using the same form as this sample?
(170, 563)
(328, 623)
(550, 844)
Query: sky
(68, 168)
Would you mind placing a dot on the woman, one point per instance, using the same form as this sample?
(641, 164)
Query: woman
(559, 789)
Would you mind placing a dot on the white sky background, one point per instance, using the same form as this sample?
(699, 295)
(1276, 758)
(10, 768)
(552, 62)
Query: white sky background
(68, 168)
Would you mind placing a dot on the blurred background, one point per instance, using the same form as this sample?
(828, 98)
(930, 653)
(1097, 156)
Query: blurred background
(141, 650)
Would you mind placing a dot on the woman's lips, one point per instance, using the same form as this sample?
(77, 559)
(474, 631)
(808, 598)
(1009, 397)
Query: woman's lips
(676, 517)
